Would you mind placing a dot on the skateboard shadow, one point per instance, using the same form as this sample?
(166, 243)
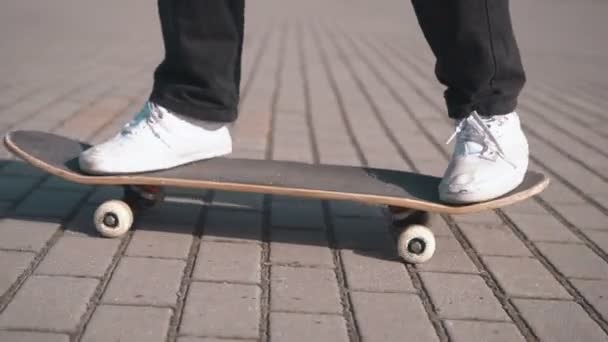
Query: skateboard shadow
(281, 223)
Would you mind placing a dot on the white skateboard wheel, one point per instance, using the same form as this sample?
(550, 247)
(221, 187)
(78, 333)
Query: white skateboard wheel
(416, 244)
(113, 218)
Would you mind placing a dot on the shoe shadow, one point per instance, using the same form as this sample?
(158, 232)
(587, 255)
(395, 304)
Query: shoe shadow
(31, 195)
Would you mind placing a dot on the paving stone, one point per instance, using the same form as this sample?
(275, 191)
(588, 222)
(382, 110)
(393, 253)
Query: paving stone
(300, 247)
(14, 188)
(12, 265)
(82, 223)
(559, 320)
(222, 310)
(600, 238)
(170, 217)
(529, 207)
(576, 261)
(440, 227)
(22, 169)
(166, 232)
(33, 307)
(299, 213)
(233, 225)
(237, 200)
(56, 183)
(128, 323)
(295, 327)
(79, 256)
(557, 193)
(391, 316)
(462, 296)
(494, 240)
(363, 234)
(525, 277)
(145, 281)
(30, 336)
(4, 207)
(364, 272)
(161, 244)
(460, 331)
(543, 227)
(449, 257)
(25, 234)
(211, 339)
(584, 216)
(223, 261)
(481, 218)
(595, 293)
(49, 203)
(355, 209)
(304, 290)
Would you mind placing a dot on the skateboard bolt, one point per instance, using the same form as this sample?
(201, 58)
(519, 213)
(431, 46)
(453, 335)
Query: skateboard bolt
(110, 220)
(416, 246)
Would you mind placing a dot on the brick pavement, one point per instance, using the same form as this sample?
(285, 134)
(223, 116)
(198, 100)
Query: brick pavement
(324, 82)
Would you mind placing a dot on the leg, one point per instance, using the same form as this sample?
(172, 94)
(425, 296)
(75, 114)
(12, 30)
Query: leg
(200, 74)
(195, 93)
(477, 55)
(479, 62)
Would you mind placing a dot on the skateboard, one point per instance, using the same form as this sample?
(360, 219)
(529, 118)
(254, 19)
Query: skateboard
(410, 197)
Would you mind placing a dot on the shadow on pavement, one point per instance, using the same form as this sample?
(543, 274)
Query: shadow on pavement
(29, 195)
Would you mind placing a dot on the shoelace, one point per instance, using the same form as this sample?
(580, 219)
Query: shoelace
(148, 115)
(474, 128)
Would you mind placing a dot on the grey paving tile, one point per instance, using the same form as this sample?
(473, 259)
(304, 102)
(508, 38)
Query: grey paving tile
(49, 204)
(79, 256)
(33, 308)
(449, 257)
(128, 323)
(483, 331)
(525, 277)
(232, 225)
(228, 262)
(307, 327)
(145, 281)
(391, 316)
(543, 227)
(304, 290)
(26, 234)
(222, 310)
(495, 240)
(300, 247)
(575, 260)
(12, 265)
(287, 212)
(462, 296)
(584, 216)
(30, 336)
(595, 293)
(369, 273)
(15, 187)
(559, 320)
(363, 234)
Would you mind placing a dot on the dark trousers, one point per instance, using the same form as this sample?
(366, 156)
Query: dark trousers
(477, 56)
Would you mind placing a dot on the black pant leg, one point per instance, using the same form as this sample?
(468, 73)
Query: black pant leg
(477, 56)
(200, 74)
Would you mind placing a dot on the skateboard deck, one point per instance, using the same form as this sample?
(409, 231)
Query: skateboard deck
(58, 156)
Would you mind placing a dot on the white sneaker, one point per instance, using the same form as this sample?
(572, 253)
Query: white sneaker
(490, 159)
(156, 139)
